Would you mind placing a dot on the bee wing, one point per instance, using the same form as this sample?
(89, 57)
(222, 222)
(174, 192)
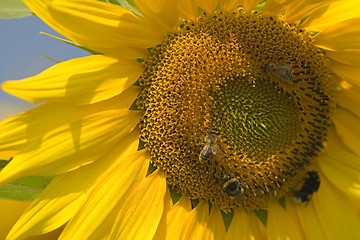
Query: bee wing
(214, 149)
(286, 65)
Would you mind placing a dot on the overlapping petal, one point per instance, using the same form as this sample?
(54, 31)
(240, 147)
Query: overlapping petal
(215, 227)
(63, 197)
(347, 126)
(342, 36)
(72, 144)
(250, 4)
(307, 218)
(99, 212)
(349, 57)
(78, 81)
(348, 97)
(26, 128)
(347, 72)
(280, 225)
(331, 15)
(142, 211)
(230, 5)
(245, 225)
(343, 176)
(100, 26)
(337, 216)
(195, 223)
(161, 12)
(175, 220)
(276, 7)
(299, 10)
(162, 226)
(208, 6)
(188, 9)
(341, 166)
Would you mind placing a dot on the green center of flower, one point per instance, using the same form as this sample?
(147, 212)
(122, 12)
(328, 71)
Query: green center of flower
(236, 107)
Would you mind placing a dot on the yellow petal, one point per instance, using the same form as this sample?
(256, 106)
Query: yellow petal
(215, 227)
(242, 226)
(303, 216)
(175, 220)
(50, 210)
(188, 9)
(10, 210)
(245, 226)
(275, 7)
(162, 227)
(338, 11)
(355, 203)
(230, 5)
(342, 36)
(195, 223)
(337, 217)
(299, 10)
(115, 184)
(347, 126)
(164, 13)
(28, 127)
(79, 81)
(97, 25)
(141, 213)
(72, 145)
(280, 225)
(341, 166)
(308, 219)
(250, 5)
(342, 176)
(66, 193)
(7, 155)
(208, 5)
(349, 57)
(346, 72)
(348, 97)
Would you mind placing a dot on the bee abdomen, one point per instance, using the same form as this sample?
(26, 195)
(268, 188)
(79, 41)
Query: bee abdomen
(232, 186)
(311, 185)
(205, 154)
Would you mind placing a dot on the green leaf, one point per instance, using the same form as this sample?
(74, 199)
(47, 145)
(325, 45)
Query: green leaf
(25, 188)
(117, 2)
(130, 5)
(125, 3)
(262, 215)
(227, 217)
(14, 9)
(260, 6)
(3, 163)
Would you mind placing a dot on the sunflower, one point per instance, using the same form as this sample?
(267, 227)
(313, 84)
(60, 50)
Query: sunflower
(194, 120)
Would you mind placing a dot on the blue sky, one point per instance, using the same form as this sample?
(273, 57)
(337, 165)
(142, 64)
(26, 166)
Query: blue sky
(21, 47)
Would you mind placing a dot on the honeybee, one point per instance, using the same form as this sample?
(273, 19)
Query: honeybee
(231, 185)
(210, 149)
(281, 71)
(311, 185)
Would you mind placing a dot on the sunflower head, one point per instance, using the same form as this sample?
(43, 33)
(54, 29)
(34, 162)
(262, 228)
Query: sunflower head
(258, 85)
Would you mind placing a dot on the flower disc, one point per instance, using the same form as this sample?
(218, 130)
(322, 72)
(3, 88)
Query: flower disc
(236, 106)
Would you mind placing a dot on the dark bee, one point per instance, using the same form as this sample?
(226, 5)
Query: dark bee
(311, 185)
(231, 185)
(210, 148)
(281, 71)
